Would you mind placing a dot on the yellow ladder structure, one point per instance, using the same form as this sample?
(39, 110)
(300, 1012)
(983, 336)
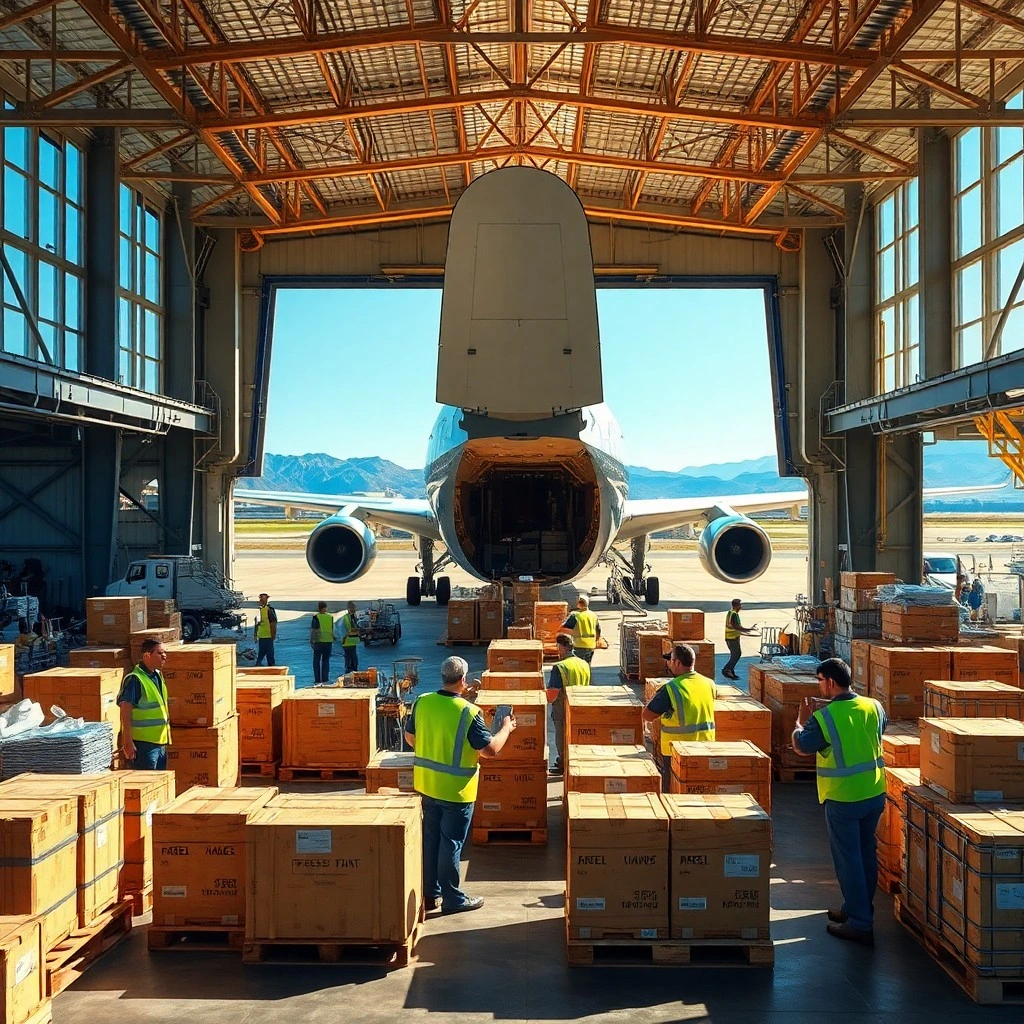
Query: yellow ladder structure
(1005, 440)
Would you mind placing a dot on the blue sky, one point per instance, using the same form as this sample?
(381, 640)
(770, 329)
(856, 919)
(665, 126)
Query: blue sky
(685, 371)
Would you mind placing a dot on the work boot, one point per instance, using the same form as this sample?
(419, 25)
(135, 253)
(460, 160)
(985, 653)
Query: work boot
(838, 916)
(850, 934)
(472, 903)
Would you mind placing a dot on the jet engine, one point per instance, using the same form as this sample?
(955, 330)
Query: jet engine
(341, 549)
(732, 547)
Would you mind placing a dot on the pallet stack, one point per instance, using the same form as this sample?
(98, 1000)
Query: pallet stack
(603, 715)
(144, 793)
(687, 625)
(601, 768)
(511, 804)
(629, 645)
(783, 694)
(917, 624)
(891, 832)
(390, 770)
(548, 617)
(524, 597)
(259, 698)
(858, 616)
(650, 647)
(201, 685)
(722, 768)
(89, 693)
(668, 879)
(327, 734)
(462, 621)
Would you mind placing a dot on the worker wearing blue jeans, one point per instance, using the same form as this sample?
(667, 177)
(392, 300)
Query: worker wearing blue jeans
(844, 731)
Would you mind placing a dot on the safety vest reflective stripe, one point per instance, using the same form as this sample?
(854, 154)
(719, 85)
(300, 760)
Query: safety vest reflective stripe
(684, 730)
(853, 769)
(347, 624)
(843, 723)
(326, 623)
(444, 765)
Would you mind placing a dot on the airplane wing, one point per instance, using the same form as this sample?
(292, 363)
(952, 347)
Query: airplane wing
(410, 514)
(653, 514)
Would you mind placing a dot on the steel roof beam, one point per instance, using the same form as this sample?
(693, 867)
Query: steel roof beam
(924, 117)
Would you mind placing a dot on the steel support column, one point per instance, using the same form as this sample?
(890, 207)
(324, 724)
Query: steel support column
(859, 251)
(180, 297)
(101, 476)
(859, 518)
(178, 492)
(101, 265)
(899, 464)
(935, 199)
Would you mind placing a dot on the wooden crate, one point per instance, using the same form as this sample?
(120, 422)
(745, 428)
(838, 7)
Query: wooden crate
(866, 580)
(328, 728)
(391, 769)
(685, 624)
(491, 620)
(651, 644)
(548, 617)
(462, 619)
(528, 744)
(145, 793)
(6, 670)
(722, 768)
(38, 870)
(603, 715)
(1012, 642)
(112, 620)
(901, 745)
(259, 701)
(22, 969)
(598, 768)
(755, 682)
(524, 597)
(199, 865)
(101, 657)
(204, 757)
(253, 672)
(980, 699)
(513, 681)
(166, 635)
(200, 684)
(921, 624)
(520, 632)
(892, 825)
(89, 693)
(969, 664)
(511, 796)
(365, 852)
(973, 760)
(515, 656)
(860, 666)
(898, 675)
(743, 719)
(704, 655)
(100, 830)
(159, 611)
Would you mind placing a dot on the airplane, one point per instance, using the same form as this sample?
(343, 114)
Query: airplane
(525, 472)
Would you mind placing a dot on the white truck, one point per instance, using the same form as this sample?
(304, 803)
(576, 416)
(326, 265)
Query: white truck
(203, 595)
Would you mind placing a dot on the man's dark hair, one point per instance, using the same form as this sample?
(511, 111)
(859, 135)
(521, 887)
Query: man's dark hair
(736, 601)
(149, 646)
(837, 671)
(684, 653)
(563, 640)
(321, 606)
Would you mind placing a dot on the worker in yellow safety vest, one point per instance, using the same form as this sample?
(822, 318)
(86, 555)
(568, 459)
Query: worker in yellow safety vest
(685, 705)
(734, 629)
(586, 630)
(449, 735)
(569, 670)
(145, 721)
(350, 638)
(265, 631)
(844, 731)
(321, 639)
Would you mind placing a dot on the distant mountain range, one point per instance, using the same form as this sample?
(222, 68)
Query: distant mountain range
(946, 465)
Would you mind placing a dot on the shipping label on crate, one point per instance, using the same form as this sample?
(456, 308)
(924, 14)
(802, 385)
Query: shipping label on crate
(325, 710)
(1009, 896)
(742, 865)
(313, 840)
(26, 965)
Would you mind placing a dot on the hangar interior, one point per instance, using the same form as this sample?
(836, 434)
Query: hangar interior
(164, 161)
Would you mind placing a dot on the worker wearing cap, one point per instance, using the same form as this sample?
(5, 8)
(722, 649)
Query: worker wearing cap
(145, 721)
(265, 631)
(685, 705)
(733, 631)
(321, 639)
(449, 736)
(350, 638)
(844, 731)
(569, 670)
(586, 630)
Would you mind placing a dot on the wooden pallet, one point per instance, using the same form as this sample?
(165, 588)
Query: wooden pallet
(142, 902)
(341, 952)
(890, 884)
(671, 953)
(44, 1015)
(510, 836)
(264, 769)
(196, 938)
(787, 773)
(444, 641)
(321, 774)
(71, 957)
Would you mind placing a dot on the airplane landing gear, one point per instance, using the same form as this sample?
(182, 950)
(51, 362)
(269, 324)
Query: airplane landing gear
(428, 583)
(629, 582)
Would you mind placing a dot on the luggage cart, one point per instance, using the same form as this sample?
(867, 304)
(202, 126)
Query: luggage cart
(380, 624)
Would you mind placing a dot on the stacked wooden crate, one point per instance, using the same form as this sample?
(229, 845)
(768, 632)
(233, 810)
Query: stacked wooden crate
(687, 625)
(891, 832)
(921, 624)
(858, 616)
(23, 995)
(390, 770)
(163, 614)
(89, 693)
(259, 699)
(605, 768)
(516, 656)
(604, 715)
(145, 793)
(722, 768)
(463, 622)
(548, 617)
(784, 692)
(327, 733)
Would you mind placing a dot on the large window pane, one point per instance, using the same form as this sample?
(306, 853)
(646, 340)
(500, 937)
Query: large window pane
(48, 332)
(971, 345)
(913, 365)
(72, 302)
(152, 236)
(887, 281)
(1010, 197)
(889, 374)
(969, 222)
(1013, 331)
(968, 158)
(48, 229)
(49, 163)
(887, 221)
(47, 294)
(72, 225)
(15, 203)
(16, 147)
(72, 172)
(913, 259)
(124, 263)
(910, 207)
(124, 323)
(19, 265)
(124, 367)
(15, 333)
(152, 277)
(72, 351)
(1008, 265)
(969, 293)
(126, 205)
(889, 331)
(151, 324)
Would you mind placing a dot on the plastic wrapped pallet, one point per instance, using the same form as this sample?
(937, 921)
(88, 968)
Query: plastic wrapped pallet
(66, 747)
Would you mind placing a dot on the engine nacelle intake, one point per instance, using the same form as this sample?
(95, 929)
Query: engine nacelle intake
(733, 548)
(341, 549)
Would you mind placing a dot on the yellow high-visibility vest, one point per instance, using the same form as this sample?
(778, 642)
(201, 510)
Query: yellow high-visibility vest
(445, 765)
(584, 633)
(326, 624)
(151, 722)
(851, 766)
(263, 629)
(732, 626)
(575, 671)
(348, 622)
(692, 718)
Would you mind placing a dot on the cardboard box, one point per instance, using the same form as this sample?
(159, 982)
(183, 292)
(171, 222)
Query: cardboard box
(512, 796)
(462, 620)
(603, 714)
(969, 664)
(939, 624)
(520, 632)
(365, 852)
(720, 867)
(204, 757)
(6, 670)
(685, 624)
(982, 699)
(743, 719)
(101, 657)
(651, 644)
(22, 970)
(548, 617)
(617, 875)
(515, 656)
(722, 768)
(901, 745)
(491, 620)
(38, 870)
(199, 865)
(860, 666)
(528, 744)
(200, 684)
(145, 793)
(973, 760)
(534, 681)
(898, 676)
(329, 728)
(595, 768)
(89, 693)
(892, 825)
(391, 769)
(259, 717)
(112, 620)
(99, 852)
(524, 597)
